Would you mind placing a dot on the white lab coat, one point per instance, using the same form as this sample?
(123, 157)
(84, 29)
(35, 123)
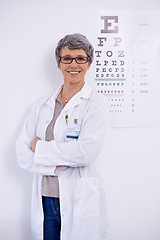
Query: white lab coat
(82, 197)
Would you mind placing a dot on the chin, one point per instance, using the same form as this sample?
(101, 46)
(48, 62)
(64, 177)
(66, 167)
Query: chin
(74, 81)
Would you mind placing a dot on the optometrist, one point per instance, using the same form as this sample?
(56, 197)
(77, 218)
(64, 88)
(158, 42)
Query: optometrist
(60, 142)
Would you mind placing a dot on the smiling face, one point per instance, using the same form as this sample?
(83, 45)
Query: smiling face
(73, 73)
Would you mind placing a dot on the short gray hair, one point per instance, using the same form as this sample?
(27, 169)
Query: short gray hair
(75, 41)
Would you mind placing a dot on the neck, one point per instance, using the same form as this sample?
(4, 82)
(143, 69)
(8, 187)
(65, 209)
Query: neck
(69, 90)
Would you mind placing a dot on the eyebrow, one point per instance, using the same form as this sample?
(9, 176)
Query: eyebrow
(71, 56)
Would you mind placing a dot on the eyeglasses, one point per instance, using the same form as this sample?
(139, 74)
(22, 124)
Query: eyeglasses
(79, 60)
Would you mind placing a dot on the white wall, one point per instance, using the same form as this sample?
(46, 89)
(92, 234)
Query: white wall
(29, 32)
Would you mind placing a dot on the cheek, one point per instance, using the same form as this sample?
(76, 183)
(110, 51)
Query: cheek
(86, 69)
(62, 69)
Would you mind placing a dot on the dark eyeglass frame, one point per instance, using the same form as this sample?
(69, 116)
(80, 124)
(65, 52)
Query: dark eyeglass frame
(71, 59)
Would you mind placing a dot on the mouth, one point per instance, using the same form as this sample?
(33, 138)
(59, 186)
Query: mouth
(74, 73)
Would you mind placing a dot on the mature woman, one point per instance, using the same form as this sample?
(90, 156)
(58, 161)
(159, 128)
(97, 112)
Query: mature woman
(60, 142)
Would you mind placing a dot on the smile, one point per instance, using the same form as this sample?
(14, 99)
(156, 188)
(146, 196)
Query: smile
(73, 72)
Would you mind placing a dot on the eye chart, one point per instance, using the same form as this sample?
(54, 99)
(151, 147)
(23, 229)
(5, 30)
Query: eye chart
(126, 67)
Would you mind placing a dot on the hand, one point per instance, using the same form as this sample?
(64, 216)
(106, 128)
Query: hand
(34, 142)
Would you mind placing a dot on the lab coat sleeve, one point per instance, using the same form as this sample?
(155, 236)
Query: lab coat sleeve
(83, 151)
(25, 156)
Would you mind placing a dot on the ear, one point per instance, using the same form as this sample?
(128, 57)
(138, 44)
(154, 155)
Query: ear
(58, 64)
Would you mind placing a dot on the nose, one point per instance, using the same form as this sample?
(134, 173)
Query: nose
(73, 63)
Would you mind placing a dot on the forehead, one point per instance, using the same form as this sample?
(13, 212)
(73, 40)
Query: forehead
(65, 51)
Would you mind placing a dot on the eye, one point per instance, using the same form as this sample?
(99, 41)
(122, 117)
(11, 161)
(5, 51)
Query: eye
(81, 58)
(67, 58)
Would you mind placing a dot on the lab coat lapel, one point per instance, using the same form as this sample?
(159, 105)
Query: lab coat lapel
(51, 100)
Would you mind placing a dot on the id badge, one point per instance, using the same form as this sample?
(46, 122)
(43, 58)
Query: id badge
(73, 131)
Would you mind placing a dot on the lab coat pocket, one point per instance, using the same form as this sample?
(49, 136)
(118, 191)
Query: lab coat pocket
(86, 197)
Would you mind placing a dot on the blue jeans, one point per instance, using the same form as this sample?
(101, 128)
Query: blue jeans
(52, 218)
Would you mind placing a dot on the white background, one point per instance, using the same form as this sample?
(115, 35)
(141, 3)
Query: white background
(29, 31)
